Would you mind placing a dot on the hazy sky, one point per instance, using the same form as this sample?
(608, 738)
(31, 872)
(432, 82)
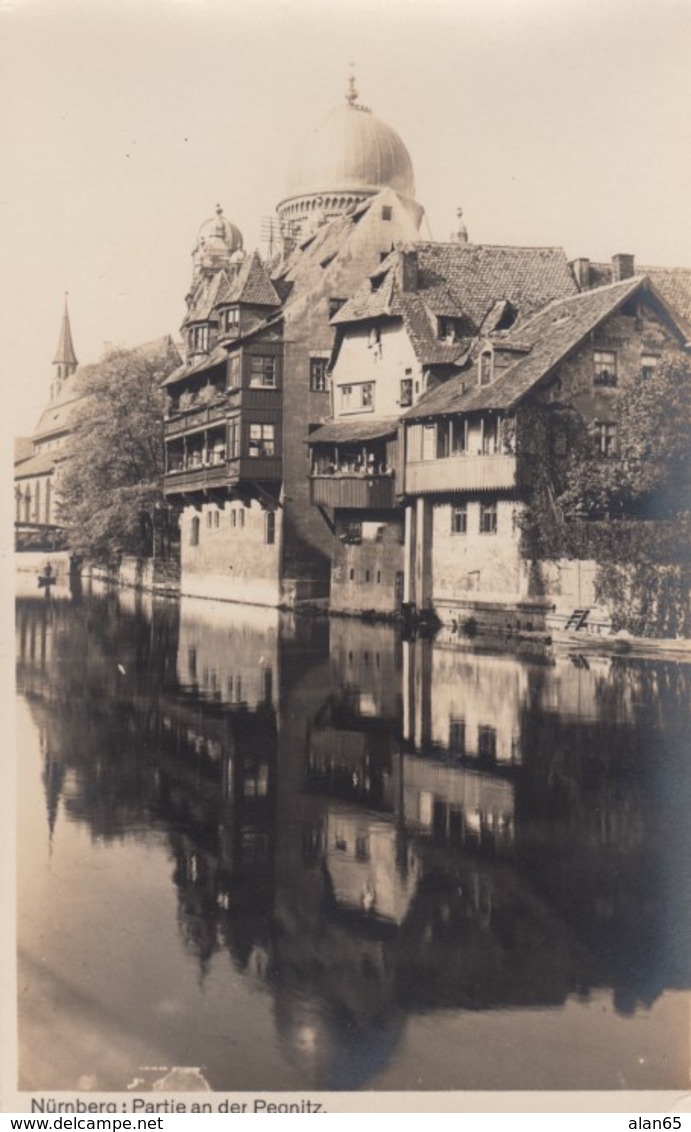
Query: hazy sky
(124, 122)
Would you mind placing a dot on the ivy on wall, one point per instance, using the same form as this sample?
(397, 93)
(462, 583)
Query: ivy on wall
(622, 499)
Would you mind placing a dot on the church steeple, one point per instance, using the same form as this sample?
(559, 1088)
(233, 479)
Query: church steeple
(65, 358)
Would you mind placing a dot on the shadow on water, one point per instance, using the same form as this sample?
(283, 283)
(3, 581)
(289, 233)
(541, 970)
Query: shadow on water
(370, 830)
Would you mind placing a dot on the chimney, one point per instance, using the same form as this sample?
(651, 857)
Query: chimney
(581, 270)
(409, 267)
(623, 267)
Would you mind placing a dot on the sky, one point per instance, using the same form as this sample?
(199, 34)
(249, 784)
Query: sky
(125, 121)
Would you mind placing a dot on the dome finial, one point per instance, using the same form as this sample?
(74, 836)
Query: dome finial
(460, 236)
(351, 91)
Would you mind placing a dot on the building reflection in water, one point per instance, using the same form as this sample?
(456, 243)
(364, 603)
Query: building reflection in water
(372, 829)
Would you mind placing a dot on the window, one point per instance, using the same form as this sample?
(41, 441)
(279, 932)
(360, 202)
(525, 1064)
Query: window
(488, 518)
(490, 436)
(194, 531)
(263, 371)
(241, 517)
(262, 440)
(352, 532)
(216, 518)
(374, 340)
(487, 742)
(605, 367)
(233, 517)
(606, 435)
(234, 439)
(443, 439)
(230, 321)
(386, 212)
(457, 736)
(459, 519)
(649, 363)
(209, 518)
(446, 329)
(335, 306)
(270, 527)
(234, 371)
(485, 367)
(355, 397)
(406, 397)
(199, 338)
(318, 374)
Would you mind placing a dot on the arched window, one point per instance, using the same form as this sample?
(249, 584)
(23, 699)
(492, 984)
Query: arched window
(37, 502)
(194, 531)
(27, 504)
(486, 367)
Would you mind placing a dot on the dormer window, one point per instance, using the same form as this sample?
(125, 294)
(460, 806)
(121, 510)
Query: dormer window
(486, 367)
(446, 329)
(230, 321)
(199, 339)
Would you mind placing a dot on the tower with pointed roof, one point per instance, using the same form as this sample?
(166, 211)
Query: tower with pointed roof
(65, 360)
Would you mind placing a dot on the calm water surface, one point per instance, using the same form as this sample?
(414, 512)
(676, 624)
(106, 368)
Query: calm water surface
(297, 854)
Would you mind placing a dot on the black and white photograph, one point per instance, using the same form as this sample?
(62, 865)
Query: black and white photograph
(347, 365)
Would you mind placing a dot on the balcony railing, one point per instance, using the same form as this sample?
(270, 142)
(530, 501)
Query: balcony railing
(196, 479)
(354, 491)
(461, 473)
(225, 474)
(191, 420)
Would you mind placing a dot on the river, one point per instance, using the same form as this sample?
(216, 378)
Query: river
(297, 854)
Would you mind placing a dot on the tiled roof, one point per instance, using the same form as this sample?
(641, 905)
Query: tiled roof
(253, 285)
(353, 429)
(205, 299)
(41, 464)
(217, 357)
(463, 281)
(674, 285)
(552, 334)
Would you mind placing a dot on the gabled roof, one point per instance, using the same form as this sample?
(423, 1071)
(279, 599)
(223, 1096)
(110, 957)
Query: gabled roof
(206, 297)
(219, 354)
(253, 285)
(550, 335)
(674, 285)
(470, 283)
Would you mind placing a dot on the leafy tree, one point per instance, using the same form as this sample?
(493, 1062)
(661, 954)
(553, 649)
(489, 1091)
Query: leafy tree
(111, 486)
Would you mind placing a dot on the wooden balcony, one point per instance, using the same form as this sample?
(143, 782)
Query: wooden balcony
(195, 420)
(461, 473)
(358, 492)
(227, 474)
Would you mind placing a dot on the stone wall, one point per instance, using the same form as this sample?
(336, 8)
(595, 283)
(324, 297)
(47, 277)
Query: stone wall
(367, 575)
(230, 558)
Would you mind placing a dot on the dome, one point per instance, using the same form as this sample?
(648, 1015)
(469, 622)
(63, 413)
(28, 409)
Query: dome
(217, 237)
(352, 151)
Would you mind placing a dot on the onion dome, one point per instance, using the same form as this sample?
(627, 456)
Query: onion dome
(349, 157)
(217, 241)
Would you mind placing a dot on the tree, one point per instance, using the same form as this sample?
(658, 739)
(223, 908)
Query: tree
(111, 486)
